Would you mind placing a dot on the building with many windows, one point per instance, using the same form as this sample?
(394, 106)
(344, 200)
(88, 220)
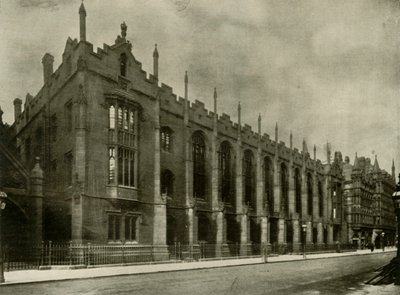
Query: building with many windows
(127, 161)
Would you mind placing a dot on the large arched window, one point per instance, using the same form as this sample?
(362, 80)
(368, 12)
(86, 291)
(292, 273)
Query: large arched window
(297, 184)
(123, 61)
(284, 189)
(320, 199)
(269, 183)
(309, 194)
(122, 150)
(225, 172)
(199, 162)
(167, 182)
(248, 170)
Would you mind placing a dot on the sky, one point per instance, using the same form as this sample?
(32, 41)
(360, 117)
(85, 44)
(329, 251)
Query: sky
(327, 70)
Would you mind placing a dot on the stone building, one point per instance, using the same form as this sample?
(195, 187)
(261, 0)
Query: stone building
(127, 161)
(368, 192)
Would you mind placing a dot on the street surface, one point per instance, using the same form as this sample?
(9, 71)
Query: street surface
(342, 275)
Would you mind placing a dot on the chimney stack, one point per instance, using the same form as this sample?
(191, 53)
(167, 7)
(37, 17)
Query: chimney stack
(17, 108)
(47, 62)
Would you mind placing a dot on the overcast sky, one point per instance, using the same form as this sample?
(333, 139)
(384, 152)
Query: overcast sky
(328, 70)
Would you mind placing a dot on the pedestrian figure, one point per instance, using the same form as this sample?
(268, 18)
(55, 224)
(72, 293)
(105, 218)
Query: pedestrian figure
(372, 247)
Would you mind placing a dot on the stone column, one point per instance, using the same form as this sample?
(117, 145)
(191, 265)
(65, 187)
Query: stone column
(296, 235)
(243, 234)
(281, 231)
(320, 238)
(36, 192)
(309, 232)
(264, 230)
(330, 234)
(219, 232)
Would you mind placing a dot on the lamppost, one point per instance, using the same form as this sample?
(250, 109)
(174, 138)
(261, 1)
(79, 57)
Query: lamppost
(396, 203)
(3, 197)
(304, 228)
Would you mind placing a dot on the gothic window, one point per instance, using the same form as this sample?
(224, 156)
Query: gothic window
(131, 228)
(123, 60)
(199, 162)
(309, 194)
(122, 152)
(166, 138)
(111, 117)
(284, 189)
(68, 168)
(248, 177)
(111, 165)
(320, 199)
(114, 228)
(268, 183)
(167, 182)
(297, 183)
(225, 171)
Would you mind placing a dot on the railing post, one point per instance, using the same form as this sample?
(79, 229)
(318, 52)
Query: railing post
(237, 250)
(88, 255)
(123, 253)
(70, 253)
(49, 254)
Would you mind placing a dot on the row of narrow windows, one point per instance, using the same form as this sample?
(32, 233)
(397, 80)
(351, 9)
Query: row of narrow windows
(123, 170)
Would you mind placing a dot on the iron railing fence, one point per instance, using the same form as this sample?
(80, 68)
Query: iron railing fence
(48, 254)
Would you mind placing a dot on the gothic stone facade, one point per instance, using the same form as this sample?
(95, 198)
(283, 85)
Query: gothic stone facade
(126, 160)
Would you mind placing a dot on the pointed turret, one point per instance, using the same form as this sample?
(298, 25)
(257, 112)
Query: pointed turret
(376, 168)
(393, 171)
(1, 116)
(276, 132)
(155, 62)
(82, 22)
(305, 149)
(239, 121)
(186, 107)
(356, 162)
(259, 125)
(315, 152)
(291, 140)
(215, 101)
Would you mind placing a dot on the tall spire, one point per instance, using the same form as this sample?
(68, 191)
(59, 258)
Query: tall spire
(315, 152)
(239, 121)
(82, 22)
(291, 140)
(155, 62)
(259, 125)
(393, 171)
(186, 107)
(276, 132)
(305, 149)
(376, 168)
(215, 101)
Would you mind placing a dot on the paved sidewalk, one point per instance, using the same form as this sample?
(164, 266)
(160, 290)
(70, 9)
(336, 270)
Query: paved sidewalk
(31, 276)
